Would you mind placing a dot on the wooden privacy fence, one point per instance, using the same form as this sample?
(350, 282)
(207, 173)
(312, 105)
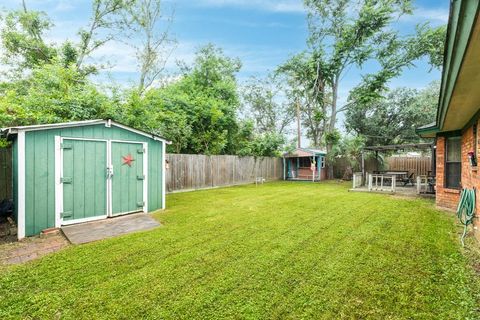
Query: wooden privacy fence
(5, 173)
(341, 165)
(417, 165)
(191, 171)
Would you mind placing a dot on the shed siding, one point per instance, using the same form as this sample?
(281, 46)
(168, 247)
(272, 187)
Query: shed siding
(40, 170)
(15, 179)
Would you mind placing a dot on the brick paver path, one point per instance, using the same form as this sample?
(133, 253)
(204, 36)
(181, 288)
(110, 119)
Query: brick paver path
(31, 248)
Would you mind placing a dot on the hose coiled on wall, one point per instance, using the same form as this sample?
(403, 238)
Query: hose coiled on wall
(466, 210)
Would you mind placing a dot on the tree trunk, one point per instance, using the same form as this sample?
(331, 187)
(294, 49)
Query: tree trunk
(333, 119)
(299, 130)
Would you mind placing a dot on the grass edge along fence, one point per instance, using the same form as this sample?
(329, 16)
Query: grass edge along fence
(192, 172)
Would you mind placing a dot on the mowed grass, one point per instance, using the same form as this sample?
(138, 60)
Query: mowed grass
(276, 251)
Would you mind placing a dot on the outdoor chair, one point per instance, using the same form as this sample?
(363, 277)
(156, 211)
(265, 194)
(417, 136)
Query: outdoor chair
(408, 180)
(431, 184)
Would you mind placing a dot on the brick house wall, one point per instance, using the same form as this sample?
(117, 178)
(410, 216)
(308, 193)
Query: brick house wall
(448, 198)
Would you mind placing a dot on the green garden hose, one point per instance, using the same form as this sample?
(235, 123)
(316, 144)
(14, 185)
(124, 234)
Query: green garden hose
(466, 210)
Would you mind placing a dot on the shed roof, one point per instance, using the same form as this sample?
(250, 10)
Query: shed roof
(107, 123)
(304, 152)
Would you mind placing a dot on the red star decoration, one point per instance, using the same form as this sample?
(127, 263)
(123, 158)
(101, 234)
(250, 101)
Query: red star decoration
(128, 160)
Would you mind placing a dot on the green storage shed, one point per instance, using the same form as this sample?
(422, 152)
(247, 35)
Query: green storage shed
(75, 172)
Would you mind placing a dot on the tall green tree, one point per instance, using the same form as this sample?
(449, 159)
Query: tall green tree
(52, 93)
(349, 148)
(264, 102)
(345, 35)
(201, 106)
(152, 112)
(104, 23)
(24, 30)
(147, 24)
(306, 91)
(22, 38)
(393, 118)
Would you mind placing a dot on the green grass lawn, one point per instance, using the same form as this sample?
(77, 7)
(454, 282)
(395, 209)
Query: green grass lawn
(276, 251)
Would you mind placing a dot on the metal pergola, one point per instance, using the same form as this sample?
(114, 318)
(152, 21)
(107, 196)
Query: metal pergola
(399, 147)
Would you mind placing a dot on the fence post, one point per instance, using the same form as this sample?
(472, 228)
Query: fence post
(370, 181)
(394, 183)
(354, 181)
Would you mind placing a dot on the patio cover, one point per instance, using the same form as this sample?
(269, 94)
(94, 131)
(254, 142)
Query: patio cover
(397, 147)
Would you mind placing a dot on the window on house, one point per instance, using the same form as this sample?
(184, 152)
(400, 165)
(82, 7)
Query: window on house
(304, 162)
(474, 129)
(322, 162)
(453, 162)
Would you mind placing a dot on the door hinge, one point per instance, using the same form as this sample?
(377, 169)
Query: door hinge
(66, 180)
(65, 146)
(141, 150)
(141, 177)
(140, 203)
(66, 214)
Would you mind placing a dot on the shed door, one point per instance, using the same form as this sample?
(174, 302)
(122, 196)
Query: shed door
(128, 177)
(84, 180)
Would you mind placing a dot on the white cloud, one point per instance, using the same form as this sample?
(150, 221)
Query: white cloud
(119, 55)
(421, 14)
(64, 6)
(286, 6)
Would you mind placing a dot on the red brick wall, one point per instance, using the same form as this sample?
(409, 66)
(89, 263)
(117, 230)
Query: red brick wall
(304, 172)
(445, 198)
(323, 173)
(307, 172)
(448, 198)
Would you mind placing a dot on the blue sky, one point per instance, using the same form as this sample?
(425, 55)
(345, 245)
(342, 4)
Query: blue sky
(262, 34)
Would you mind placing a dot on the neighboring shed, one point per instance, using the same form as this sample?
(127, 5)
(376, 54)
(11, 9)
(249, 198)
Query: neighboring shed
(76, 172)
(304, 164)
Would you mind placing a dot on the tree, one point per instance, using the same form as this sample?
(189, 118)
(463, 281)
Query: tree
(345, 34)
(208, 95)
(24, 30)
(52, 93)
(100, 29)
(200, 107)
(153, 43)
(392, 119)
(22, 39)
(263, 102)
(307, 92)
(266, 144)
(151, 113)
(349, 148)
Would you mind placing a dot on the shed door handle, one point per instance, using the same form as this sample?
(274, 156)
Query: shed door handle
(109, 172)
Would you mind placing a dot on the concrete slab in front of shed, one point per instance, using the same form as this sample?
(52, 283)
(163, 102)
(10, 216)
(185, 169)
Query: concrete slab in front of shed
(111, 227)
